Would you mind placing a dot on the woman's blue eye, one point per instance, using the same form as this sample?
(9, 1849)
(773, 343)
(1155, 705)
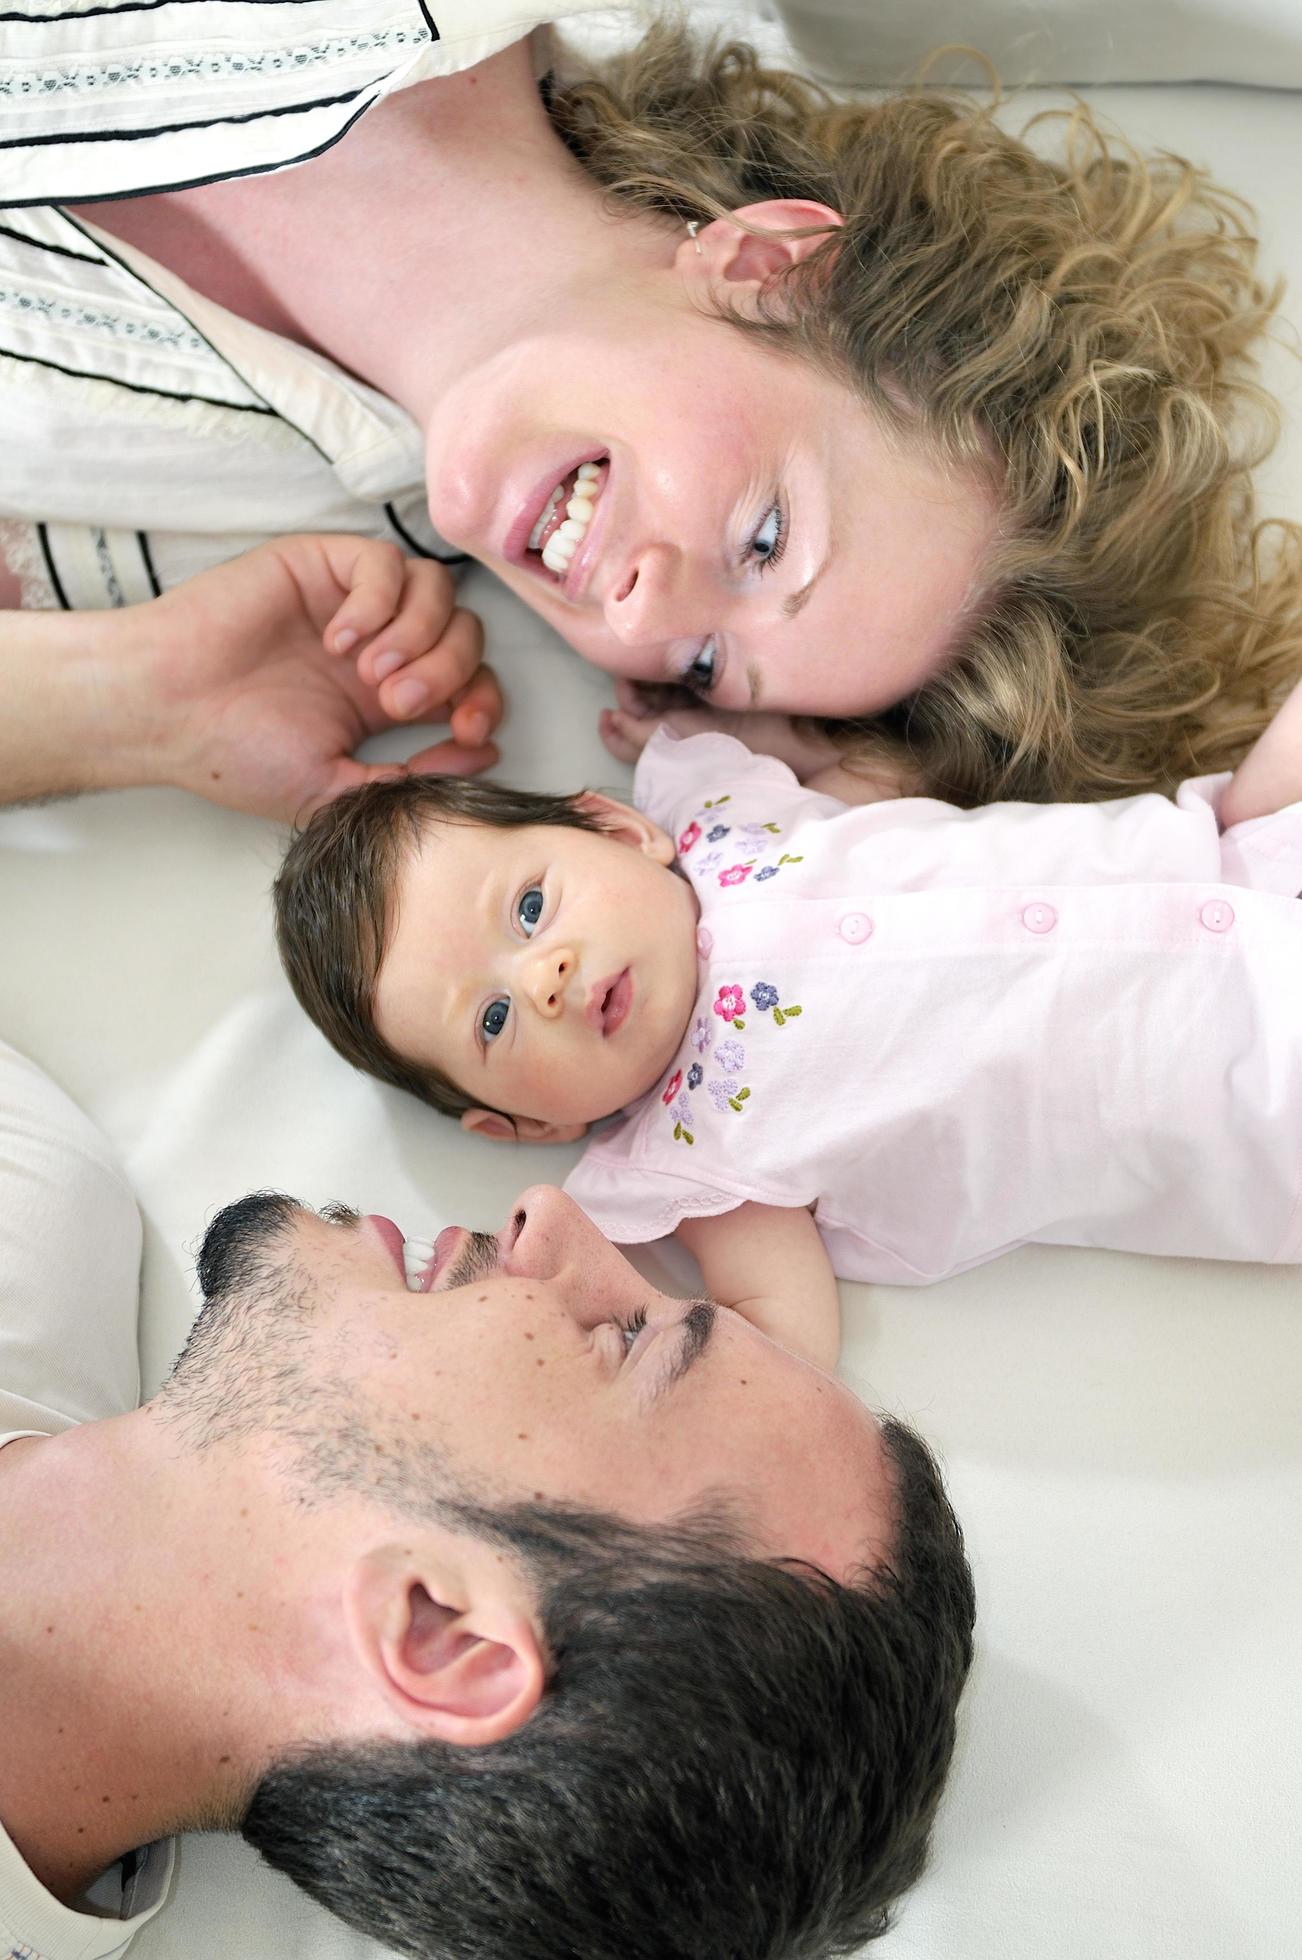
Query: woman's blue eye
(700, 675)
(768, 542)
(530, 909)
(494, 1019)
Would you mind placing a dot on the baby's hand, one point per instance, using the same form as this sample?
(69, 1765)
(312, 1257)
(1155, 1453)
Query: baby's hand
(627, 728)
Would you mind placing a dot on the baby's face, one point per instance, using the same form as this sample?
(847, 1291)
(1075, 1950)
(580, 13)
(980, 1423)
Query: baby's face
(548, 972)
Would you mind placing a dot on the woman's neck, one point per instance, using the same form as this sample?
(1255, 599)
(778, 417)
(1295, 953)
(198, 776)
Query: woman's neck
(426, 241)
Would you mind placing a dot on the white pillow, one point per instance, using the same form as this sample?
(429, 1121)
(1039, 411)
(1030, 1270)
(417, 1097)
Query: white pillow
(875, 42)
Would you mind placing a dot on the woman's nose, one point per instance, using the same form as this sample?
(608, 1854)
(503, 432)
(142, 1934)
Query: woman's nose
(657, 597)
(551, 971)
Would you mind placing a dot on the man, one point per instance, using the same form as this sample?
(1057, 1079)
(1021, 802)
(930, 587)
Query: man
(535, 1613)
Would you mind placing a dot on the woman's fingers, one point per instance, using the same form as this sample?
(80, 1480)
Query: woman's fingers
(427, 682)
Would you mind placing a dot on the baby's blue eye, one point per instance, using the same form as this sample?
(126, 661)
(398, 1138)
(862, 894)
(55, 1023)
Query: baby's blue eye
(530, 909)
(494, 1019)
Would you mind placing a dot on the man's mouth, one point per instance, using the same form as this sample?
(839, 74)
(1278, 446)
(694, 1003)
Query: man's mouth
(458, 1255)
(609, 1003)
(424, 1259)
(559, 526)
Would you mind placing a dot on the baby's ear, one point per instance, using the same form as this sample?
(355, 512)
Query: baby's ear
(520, 1129)
(627, 825)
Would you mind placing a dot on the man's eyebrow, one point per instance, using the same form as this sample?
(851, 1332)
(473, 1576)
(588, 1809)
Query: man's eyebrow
(698, 1326)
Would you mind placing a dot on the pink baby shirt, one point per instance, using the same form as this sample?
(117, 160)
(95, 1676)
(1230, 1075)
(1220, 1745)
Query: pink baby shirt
(956, 1031)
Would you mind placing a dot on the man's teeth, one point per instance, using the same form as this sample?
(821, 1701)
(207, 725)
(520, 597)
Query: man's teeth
(416, 1255)
(567, 537)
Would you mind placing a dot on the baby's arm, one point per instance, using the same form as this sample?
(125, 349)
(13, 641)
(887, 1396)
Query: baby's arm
(768, 1262)
(1270, 774)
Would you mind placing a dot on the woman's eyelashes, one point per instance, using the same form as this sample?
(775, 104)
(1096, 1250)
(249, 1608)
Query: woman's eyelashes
(764, 548)
(703, 673)
(768, 543)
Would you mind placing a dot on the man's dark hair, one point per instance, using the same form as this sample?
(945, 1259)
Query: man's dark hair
(735, 1759)
(334, 905)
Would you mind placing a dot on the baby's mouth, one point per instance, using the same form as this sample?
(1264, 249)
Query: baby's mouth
(565, 518)
(609, 1003)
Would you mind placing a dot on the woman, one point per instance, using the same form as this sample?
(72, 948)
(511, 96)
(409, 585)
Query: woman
(893, 424)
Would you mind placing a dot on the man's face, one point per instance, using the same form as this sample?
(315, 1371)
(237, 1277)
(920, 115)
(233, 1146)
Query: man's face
(542, 1366)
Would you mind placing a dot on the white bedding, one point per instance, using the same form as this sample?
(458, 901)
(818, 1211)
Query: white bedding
(1123, 1438)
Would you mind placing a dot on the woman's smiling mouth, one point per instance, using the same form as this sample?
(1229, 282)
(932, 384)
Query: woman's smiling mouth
(551, 531)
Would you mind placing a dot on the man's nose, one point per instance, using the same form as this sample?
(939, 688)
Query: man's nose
(551, 970)
(660, 595)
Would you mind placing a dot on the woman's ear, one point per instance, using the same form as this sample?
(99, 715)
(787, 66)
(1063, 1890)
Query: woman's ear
(456, 1655)
(519, 1129)
(627, 825)
(737, 257)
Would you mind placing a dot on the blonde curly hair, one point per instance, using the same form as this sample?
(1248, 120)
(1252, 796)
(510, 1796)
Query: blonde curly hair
(1082, 324)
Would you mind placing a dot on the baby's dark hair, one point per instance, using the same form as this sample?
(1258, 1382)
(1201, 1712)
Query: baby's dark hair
(334, 897)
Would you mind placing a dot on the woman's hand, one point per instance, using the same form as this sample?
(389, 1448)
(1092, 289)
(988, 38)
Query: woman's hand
(261, 677)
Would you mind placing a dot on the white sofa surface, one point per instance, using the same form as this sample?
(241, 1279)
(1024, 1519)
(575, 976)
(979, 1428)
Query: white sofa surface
(1123, 1437)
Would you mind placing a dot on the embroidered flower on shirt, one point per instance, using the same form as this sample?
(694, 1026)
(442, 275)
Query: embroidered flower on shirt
(695, 1074)
(710, 862)
(672, 1087)
(766, 871)
(730, 1005)
(717, 835)
(736, 874)
(702, 1034)
(682, 1115)
(689, 837)
(727, 1093)
(766, 997)
(730, 1055)
(756, 836)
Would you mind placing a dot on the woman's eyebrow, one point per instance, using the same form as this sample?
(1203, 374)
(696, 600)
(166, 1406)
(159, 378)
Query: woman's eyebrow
(793, 602)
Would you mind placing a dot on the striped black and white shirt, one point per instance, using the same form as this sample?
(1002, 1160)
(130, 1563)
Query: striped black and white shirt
(147, 433)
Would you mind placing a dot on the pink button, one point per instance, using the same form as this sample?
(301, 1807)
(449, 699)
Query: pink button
(1039, 917)
(1217, 915)
(855, 927)
(704, 942)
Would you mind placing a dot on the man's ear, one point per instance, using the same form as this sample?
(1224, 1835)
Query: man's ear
(736, 257)
(627, 825)
(455, 1654)
(519, 1129)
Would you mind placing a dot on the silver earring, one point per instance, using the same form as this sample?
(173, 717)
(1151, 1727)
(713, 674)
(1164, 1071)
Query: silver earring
(693, 226)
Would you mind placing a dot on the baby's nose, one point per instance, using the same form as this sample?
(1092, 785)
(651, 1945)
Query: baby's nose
(551, 974)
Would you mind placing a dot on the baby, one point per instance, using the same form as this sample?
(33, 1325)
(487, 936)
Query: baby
(888, 1042)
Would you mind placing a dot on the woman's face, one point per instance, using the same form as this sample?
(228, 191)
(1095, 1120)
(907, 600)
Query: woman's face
(755, 532)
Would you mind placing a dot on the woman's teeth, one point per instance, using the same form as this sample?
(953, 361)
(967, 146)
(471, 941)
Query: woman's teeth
(416, 1256)
(559, 542)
